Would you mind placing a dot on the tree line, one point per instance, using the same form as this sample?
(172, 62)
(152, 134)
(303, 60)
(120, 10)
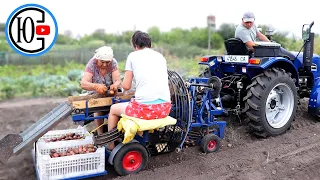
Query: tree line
(197, 36)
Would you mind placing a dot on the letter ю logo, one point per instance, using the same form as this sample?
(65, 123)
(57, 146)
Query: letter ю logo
(31, 30)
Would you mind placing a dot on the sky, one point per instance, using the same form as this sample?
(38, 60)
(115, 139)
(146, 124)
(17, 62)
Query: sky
(85, 16)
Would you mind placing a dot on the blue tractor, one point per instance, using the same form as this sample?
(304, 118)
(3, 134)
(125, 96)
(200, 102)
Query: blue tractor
(264, 87)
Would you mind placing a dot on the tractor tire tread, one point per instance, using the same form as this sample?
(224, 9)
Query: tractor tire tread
(255, 94)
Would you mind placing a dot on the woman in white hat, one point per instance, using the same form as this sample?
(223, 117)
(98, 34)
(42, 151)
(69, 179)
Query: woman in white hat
(101, 73)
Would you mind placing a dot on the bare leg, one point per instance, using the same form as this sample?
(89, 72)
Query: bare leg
(98, 122)
(115, 112)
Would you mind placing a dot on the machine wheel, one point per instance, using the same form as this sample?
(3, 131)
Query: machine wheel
(210, 143)
(271, 102)
(130, 159)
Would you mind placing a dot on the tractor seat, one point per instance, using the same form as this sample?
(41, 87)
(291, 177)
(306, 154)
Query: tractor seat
(235, 46)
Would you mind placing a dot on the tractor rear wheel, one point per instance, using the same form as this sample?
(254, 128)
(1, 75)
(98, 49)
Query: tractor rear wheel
(271, 102)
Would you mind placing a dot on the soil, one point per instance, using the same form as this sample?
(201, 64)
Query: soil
(293, 155)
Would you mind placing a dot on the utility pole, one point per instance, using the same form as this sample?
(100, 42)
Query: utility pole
(211, 23)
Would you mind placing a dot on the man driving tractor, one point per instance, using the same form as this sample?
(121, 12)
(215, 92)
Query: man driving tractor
(248, 33)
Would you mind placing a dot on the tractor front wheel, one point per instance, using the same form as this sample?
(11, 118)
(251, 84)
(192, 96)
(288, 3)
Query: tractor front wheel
(271, 102)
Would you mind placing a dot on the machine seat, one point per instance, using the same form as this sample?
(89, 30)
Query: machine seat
(131, 125)
(235, 46)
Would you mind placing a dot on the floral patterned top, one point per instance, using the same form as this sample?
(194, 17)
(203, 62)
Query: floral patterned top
(92, 68)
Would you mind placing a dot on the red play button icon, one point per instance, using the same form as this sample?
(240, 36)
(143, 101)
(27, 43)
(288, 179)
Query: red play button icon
(42, 30)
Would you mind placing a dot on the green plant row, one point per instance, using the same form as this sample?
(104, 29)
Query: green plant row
(61, 81)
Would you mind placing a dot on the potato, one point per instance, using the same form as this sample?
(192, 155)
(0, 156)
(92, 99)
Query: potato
(70, 134)
(54, 155)
(76, 150)
(69, 150)
(90, 145)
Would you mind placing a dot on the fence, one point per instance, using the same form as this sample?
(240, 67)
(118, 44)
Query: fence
(81, 54)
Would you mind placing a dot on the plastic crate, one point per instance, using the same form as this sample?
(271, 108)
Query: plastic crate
(58, 133)
(75, 166)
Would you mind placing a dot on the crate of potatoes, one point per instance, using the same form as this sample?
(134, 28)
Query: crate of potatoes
(75, 158)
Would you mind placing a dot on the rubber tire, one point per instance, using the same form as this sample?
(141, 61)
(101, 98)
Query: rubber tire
(205, 141)
(256, 97)
(117, 161)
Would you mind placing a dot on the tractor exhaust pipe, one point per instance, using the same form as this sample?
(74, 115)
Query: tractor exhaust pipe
(308, 37)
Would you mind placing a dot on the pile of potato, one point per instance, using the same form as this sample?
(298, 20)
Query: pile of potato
(89, 148)
(68, 136)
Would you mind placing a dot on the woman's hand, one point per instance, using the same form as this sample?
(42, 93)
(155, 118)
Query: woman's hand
(100, 88)
(114, 87)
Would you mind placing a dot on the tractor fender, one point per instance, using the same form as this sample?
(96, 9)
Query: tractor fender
(314, 100)
(282, 63)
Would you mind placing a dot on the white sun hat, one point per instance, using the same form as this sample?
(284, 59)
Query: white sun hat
(104, 53)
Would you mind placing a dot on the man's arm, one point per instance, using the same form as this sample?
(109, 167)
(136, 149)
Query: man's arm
(262, 37)
(250, 45)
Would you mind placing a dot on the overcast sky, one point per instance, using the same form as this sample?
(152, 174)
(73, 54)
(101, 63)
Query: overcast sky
(84, 16)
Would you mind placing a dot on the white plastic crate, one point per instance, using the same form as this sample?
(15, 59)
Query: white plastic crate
(68, 166)
(58, 133)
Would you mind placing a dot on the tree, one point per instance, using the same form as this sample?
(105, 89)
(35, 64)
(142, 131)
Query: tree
(2, 27)
(99, 34)
(154, 33)
(198, 37)
(176, 35)
(226, 31)
(63, 39)
(4, 46)
(126, 36)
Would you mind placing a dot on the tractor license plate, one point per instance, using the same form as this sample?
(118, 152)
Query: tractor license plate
(236, 59)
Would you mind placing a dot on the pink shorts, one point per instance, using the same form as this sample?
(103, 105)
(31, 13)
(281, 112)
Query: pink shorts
(148, 111)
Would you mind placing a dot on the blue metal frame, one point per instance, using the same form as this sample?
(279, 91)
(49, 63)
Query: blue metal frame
(203, 122)
(206, 106)
(86, 116)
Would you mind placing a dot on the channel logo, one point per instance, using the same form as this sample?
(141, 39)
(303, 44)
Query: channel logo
(31, 30)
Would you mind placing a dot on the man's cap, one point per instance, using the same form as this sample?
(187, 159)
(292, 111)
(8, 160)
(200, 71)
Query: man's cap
(248, 17)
